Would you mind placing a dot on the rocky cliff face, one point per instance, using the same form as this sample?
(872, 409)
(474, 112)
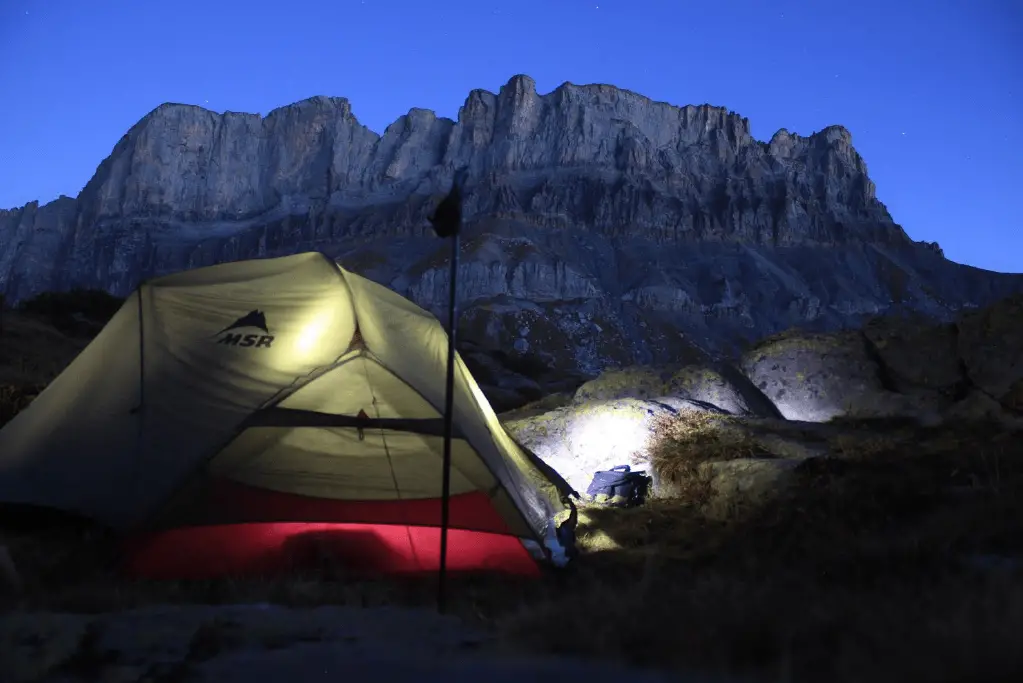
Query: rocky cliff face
(604, 228)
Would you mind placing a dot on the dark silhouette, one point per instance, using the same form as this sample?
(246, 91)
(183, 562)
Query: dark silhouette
(447, 217)
(447, 222)
(251, 319)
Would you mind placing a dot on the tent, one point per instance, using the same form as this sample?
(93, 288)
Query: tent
(256, 416)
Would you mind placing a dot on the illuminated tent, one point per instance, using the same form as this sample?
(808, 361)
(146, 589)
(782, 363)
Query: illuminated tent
(254, 416)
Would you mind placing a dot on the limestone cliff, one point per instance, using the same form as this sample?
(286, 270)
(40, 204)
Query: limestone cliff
(604, 228)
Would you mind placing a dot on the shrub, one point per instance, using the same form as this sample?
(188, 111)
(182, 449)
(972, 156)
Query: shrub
(14, 399)
(70, 309)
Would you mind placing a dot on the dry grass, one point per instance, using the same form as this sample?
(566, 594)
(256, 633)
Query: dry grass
(866, 570)
(874, 566)
(685, 442)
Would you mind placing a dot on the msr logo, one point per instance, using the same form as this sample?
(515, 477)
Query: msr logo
(251, 320)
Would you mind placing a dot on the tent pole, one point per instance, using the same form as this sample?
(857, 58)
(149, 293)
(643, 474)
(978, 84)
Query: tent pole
(139, 410)
(447, 222)
(142, 350)
(449, 395)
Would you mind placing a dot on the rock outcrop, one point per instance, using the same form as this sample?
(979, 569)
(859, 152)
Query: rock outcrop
(232, 643)
(749, 424)
(894, 366)
(816, 377)
(713, 386)
(580, 439)
(604, 229)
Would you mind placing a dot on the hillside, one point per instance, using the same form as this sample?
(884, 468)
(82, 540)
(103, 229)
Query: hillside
(604, 228)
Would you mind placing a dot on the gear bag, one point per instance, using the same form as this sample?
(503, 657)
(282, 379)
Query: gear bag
(619, 486)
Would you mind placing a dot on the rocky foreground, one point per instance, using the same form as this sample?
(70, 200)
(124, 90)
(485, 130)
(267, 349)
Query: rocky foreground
(826, 507)
(262, 643)
(778, 398)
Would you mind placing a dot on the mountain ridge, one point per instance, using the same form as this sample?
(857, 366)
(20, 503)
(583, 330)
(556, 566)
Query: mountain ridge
(602, 227)
(521, 86)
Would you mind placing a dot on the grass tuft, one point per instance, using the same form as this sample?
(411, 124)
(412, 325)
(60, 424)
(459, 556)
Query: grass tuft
(682, 443)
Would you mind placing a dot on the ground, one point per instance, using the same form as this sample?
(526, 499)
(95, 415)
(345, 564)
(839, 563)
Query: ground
(896, 559)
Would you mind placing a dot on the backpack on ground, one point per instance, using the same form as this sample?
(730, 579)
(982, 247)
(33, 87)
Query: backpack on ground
(619, 487)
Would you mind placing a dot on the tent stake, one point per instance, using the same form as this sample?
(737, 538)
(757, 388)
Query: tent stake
(447, 222)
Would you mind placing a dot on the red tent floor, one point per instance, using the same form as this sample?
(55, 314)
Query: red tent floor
(375, 538)
(281, 548)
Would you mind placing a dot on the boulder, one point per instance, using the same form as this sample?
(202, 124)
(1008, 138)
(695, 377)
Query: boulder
(709, 384)
(580, 439)
(538, 407)
(636, 381)
(917, 355)
(816, 377)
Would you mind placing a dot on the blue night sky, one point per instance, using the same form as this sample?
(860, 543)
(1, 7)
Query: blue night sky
(932, 90)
